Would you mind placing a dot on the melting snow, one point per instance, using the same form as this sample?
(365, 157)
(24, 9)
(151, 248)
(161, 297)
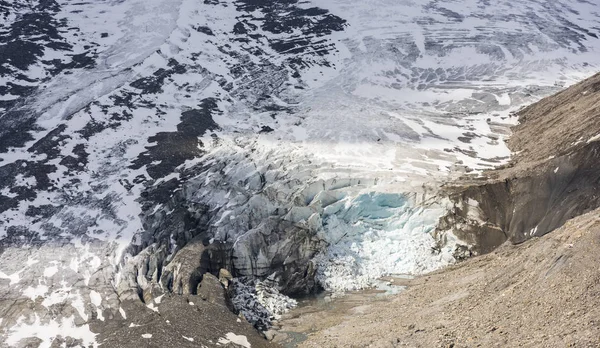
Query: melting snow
(236, 339)
(14, 278)
(46, 332)
(152, 307)
(35, 292)
(594, 138)
(95, 298)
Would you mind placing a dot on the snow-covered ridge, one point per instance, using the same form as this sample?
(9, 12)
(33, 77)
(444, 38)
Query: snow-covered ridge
(268, 113)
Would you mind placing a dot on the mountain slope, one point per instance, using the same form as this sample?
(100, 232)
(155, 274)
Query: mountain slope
(540, 292)
(552, 177)
(298, 145)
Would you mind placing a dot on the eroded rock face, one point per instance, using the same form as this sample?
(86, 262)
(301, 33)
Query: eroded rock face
(211, 290)
(253, 223)
(523, 207)
(553, 178)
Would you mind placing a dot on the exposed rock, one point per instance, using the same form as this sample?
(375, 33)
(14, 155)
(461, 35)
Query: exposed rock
(184, 272)
(211, 290)
(225, 277)
(553, 177)
(270, 334)
(177, 321)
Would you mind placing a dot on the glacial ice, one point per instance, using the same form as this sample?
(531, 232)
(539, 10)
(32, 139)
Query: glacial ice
(258, 302)
(377, 234)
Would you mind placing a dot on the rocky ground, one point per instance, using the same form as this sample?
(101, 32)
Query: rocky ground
(540, 293)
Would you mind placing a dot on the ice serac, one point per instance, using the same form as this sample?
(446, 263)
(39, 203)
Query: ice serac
(146, 144)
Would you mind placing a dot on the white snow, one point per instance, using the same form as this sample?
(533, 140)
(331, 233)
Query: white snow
(533, 231)
(230, 337)
(146, 335)
(50, 271)
(14, 278)
(594, 138)
(31, 261)
(46, 332)
(152, 307)
(34, 292)
(96, 300)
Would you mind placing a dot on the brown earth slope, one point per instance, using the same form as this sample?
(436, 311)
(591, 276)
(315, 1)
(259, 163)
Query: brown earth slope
(556, 125)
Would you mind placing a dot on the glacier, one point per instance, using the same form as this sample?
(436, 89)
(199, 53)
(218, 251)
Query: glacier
(301, 144)
(377, 234)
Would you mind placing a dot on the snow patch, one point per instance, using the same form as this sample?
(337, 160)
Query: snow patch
(95, 298)
(48, 331)
(594, 138)
(152, 307)
(35, 292)
(235, 339)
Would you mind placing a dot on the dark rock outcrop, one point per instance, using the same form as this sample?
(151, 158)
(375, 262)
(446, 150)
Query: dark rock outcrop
(522, 207)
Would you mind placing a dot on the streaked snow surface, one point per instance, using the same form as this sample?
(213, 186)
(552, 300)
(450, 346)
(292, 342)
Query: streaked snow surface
(387, 96)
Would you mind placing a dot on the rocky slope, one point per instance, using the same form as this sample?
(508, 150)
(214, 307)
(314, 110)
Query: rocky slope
(539, 287)
(541, 293)
(552, 177)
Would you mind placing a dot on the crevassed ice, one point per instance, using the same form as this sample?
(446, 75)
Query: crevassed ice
(376, 234)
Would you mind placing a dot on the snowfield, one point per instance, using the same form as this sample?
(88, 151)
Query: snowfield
(310, 137)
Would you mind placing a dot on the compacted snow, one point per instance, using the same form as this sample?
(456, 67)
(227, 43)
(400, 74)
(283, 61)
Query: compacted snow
(338, 117)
